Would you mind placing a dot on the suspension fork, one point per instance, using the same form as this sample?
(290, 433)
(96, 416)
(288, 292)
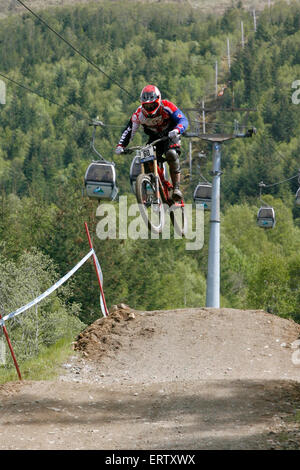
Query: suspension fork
(156, 176)
(156, 180)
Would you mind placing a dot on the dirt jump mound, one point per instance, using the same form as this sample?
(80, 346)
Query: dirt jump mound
(174, 379)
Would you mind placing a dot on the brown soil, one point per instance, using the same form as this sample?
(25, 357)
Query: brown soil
(178, 379)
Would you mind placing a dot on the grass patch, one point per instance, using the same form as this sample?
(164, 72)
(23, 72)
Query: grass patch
(45, 366)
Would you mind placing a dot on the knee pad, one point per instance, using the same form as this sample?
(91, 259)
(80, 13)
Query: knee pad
(173, 160)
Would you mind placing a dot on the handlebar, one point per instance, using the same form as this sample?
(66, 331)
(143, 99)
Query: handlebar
(249, 133)
(139, 147)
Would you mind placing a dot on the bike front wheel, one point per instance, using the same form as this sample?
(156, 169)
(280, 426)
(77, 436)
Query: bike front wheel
(152, 211)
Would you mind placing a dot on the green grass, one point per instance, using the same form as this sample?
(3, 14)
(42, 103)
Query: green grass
(45, 366)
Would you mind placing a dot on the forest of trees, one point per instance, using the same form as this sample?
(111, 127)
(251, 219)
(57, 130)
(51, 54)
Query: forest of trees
(45, 151)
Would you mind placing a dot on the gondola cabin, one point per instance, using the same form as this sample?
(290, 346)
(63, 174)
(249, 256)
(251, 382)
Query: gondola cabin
(100, 181)
(202, 195)
(266, 217)
(297, 201)
(135, 170)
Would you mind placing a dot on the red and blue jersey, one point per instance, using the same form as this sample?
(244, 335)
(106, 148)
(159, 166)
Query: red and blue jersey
(169, 117)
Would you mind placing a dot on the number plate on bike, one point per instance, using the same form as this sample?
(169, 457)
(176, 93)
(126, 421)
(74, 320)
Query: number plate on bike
(147, 154)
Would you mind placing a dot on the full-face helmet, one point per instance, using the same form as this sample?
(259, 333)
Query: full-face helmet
(150, 100)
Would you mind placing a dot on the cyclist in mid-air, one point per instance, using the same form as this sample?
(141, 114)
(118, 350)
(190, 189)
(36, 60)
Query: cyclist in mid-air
(159, 118)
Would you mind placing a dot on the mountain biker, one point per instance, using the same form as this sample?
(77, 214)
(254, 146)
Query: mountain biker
(159, 118)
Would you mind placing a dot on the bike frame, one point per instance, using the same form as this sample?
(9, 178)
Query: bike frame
(159, 181)
(156, 175)
(161, 188)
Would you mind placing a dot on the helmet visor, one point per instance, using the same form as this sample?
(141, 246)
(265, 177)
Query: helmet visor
(150, 106)
(148, 96)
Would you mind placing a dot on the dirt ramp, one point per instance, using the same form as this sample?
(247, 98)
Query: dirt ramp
(189, 344)
(175, 379)
(101, 337)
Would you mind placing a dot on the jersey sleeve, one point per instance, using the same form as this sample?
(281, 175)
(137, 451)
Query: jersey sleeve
(180, 120)
(130, 130)
(126, 134)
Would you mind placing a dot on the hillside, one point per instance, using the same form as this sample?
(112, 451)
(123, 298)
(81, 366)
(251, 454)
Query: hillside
(207, 6)
(164, 373)
(177, 379)
(45, 151)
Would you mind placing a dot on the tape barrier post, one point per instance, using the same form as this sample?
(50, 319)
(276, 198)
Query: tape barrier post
(36, 301)
(101, 278)
(11, 350)
(47, 292)
(99, 274)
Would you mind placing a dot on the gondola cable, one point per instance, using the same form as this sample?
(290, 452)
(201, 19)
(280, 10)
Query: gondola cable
(100, 177)
(65, 108)
(263, 185)
(74, 48)
(35, 92)
(266, 214)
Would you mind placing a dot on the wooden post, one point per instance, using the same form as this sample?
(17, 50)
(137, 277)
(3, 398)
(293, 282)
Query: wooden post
(11, 350)
(97, 272)
(228, 54)
(242, 30)
(190, 157)
(216, 78)
(203, 117)
(254, 20)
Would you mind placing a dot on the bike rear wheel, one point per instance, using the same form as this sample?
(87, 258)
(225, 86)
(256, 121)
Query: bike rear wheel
(152, 211)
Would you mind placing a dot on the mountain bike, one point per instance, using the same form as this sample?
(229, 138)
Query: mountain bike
(154, 192)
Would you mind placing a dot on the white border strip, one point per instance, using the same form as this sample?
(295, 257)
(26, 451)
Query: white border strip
(101, 279)
(99, 269)
(49, 291)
